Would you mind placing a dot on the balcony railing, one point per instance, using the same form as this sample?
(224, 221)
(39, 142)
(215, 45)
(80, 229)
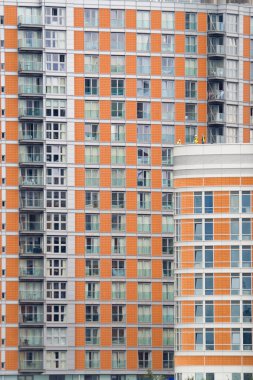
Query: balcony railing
(30, 43)
(30, 157)
(31, 181)
(31, 365)
(216, 95)
(27, 226)
(30, 249)
(216, 49)
(31, 203)
(31, 295)
(216, 27)
(216, 72)
(31, 272)
(30, 66)
(31, 318)
(29, 20)
(30, 341)
(33, 134)
(30, 112)
(217, 117)
(30, 89)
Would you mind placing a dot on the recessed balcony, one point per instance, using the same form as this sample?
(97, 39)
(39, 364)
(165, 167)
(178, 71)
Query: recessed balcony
(30, 21)
(31, 223)
(30, 90)
(31, 361)
(30, 67)
(29, 338)
(30, 43)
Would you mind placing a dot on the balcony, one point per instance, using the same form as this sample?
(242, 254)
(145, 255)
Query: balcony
(33, 21)
(32, 272)
(216, 49)
(32, 200)
(30, 158)
(216, 27)
(216, 117)
(31, 361)
(215, 95)
(30, 43)
(30, 181)
(31, 223)
(216, 72)
(31, 132)
(30, 338)
(30, 113)
(30, 295)
(30, 67)
(30, 90)
(30, 246)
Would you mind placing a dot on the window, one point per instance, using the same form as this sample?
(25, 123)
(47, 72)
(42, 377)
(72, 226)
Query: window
(91, 64)
(55, 39)
(232, 112)
(56, 267)
(144, 268)
(92, 132)
(198, 312)
(117, 64)
(143, 19)
(55, 16)
(92, 245)
(168, 134)
(167, 43)
(143, 157)
(117, 41)
(168, 292)
(91, 41)
(56, 222)
(235, 311)
(232, 45)
(118, 223)
(56, 108)
(56, 199)
(92, 199)
(56, 360)
(208, 202)
(143, 43)
(168, 314)
(117, 87)
(190, 134)
(118, 359)
(231, 92)
(143, 110)
(246, 257)
(56, 131)
(56, 336)
(191, 22)
(118, 245)
(246, 311)
(167, 224)
(91, 86)
(56, 244)
(118, 155)
(92, 222)
(143, 201)
(246, 203)
(167, 246)
(143, 134)
(118, 335)
(144, 359)
(118, 268)
(118, 313)
(209, 339)
(117, 18)
(143, 246)
(168, 89)
(246, 229)
(168, 20)
(234, 229)
(92, 290)
(92, 359)
(92, 155)
(168, 268)
(234, 202)
(92, 177)
(190, 112)
(191, 67)
(118, 200)
(92, 313)
(143, 178)
(208, 284)
(56, 290)
(91, 110)
(168, 360)
(56, 313)
(118, 132)
(143, 87)
(167, 178)
(190, 89)
(168, 111)
(232, 69)
(208, 257)
(91, 17)
(56, 85)
(92, 335)
(144, 291)
(209, 229)
(235, 284)
(246, 284)
(118, 110)
(191, 44)
(167, 66)
(235, 257)
(199, 339)
(56, 153)
(143, 65)
(118, 290)
(247, 339)
(118, 177)
(198, 285)
(167, 201)
(144, 223)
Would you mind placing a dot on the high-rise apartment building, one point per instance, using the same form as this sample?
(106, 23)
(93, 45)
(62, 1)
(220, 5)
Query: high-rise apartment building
(126, 190)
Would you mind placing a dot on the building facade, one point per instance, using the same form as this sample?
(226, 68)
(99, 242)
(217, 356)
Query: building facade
(107, 270)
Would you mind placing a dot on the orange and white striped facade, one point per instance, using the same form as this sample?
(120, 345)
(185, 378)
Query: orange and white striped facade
(95, 97)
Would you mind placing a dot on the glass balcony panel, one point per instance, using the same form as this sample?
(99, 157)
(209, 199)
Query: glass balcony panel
(31, 223)
(30, 157)
(30, 245)
(31, 295)
(30, 43)
(30, 66)
(31, 318)
(32, 202)
(31, 337)
(31, 361)
(30, 112)
(31, 132)
(30, 20)
(30, 89)
(36, 271)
